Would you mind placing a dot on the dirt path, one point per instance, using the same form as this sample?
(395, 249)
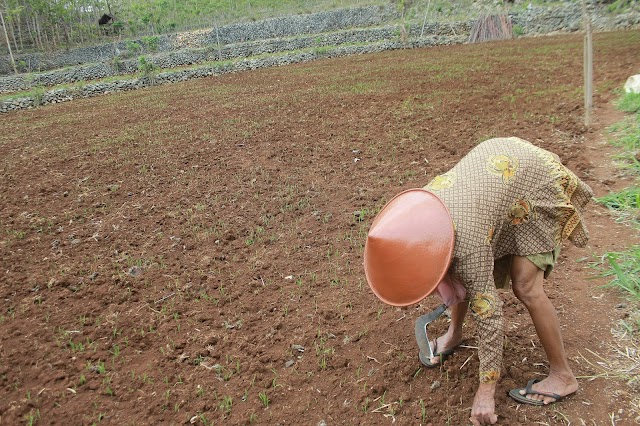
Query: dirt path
(192, 253)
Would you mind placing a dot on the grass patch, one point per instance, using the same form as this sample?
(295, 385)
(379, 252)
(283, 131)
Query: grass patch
(630, 102)
(625, 204)
(623, 268)
(624, 271)
(627, 135)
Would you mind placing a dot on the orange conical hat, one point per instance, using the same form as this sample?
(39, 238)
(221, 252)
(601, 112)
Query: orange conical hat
(409, 247)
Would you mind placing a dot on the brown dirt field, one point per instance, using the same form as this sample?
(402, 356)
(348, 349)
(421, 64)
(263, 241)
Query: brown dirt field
(184, 252)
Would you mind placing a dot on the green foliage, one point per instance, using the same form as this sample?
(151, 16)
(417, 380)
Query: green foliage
(630, 102)
(625, 271)
(625, 204)
(226, 404)
(624, 267)
(402, 5)
(116, 63)
(264, 399)
(22, 66)
(133, 47)
(118, 26)
(628, 198)
(627, 134)
(152, 43)
(518, 30)
(620, 5)
(146, 67)
(37, 94)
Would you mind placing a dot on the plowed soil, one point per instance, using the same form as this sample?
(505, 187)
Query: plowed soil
(192, 253)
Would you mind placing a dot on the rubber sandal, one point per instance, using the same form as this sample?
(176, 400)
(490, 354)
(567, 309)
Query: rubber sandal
(442, 356)
(515, 394)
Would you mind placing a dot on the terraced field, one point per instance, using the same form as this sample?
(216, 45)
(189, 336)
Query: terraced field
(193, 252)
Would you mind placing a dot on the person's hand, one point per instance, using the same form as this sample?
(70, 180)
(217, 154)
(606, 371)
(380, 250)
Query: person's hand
(484, 406)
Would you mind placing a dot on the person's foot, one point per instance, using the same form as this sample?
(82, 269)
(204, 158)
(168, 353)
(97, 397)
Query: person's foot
(444, 345)
(555, 384)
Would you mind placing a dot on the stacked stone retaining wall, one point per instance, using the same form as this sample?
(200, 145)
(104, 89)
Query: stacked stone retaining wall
(315, 23)
(100, 88)
(301, 48)
(184, 57)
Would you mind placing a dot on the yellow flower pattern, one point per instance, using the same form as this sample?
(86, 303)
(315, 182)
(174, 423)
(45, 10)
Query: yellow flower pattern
(569, 219)
(483, 305)
(490, 235)
(490, 376)
(503, 166)
(520, 212)
(443, 181)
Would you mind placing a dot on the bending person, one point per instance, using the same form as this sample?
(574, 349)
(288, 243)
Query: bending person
(499, 215)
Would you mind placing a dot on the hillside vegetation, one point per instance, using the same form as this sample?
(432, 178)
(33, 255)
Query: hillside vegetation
(54, 24)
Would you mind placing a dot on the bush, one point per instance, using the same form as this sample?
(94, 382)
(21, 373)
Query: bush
(518, 30)
(147, 68)
(152, 43)
(133, 47)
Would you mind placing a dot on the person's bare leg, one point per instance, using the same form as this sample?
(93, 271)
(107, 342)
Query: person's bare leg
(527, 281)
(453, 336)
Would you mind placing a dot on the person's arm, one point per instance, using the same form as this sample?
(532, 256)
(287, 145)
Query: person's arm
(476, 272)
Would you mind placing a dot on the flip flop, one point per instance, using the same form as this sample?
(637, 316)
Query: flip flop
(515, 394)
(441, 355)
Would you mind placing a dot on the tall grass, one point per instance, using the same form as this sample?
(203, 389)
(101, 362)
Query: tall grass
(626, 203)
(625, 271)
(630, 102)
(624, 267)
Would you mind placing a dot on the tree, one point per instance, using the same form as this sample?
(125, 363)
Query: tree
(6, 35)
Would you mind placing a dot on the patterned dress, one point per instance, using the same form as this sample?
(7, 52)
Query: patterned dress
(506, 197)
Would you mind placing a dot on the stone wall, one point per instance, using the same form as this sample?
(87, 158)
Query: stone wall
(539, 20)
(183, 57)
(305, 47)
(100, 88)
(268, 37)
(315, 23)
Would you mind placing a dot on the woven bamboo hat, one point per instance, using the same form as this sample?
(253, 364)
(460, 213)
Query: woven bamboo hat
(409, 247)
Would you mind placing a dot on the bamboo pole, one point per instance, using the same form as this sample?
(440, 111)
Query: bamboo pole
(6, 35)
(588, 65)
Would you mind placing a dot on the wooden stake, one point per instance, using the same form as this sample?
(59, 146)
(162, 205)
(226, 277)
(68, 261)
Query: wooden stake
(588, 65)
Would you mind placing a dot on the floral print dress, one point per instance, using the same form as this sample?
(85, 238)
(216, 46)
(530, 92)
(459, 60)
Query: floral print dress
(506, 197)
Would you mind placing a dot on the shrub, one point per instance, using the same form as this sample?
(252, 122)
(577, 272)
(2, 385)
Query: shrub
(147, 69)
(518, 30)
(152, 43)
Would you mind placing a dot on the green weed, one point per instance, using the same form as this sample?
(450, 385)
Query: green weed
(625, 271)
(423, 411)
(630, 102)
(625, 204)
(226, 404)
(264, 399)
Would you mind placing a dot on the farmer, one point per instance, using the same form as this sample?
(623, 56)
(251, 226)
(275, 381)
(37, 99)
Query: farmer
(499, 215)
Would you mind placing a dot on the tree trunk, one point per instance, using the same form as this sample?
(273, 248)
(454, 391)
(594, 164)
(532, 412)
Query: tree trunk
(37, 38)
(27, 22)
(43, 34)
(20, 33)
(12, 33)
(67, 34)
(13, 61)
